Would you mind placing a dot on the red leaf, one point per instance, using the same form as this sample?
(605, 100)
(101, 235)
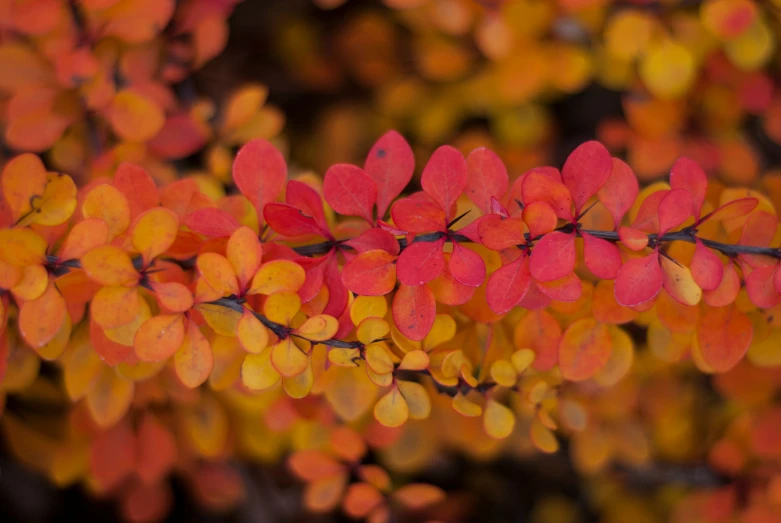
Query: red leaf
(602, 257)
(371, 239)
(498, 234)
(540, 188)
(307, 200)
(760, 288)
(777, 279)
(568, 288)
(687, 174)
(706, 267)
(444, 177)
(639, 280)
(416, 216)
(732, 210)
(414, 311)
(138, 187)
(390, 164)
(349, 191)
(259, 172)
(540, 218)
(585, 172)
(421, 262)
(553, 257)
(724, 335)
(337, 292)
(620, 191)
(466, 266)
(486, 178)
(211, 222)
(372, 273)
(508, 285)
(290, 221)
(674, 209)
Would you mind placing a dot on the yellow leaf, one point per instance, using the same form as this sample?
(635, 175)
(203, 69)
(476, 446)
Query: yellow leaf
(288, 359)
(498, 420)
(372, 329)
(465, 407)
(276, 276)
(125, 334)
(392, 409)
(442, 331)
(223, 320)
(299, 386)
(113, 307)
(381, 380)
(344, 357)
(368, 307)
(34, 281)
(522, 359)
(620, 359)
(378, 358)
(109, 398)
(257, 373)
(54, 348)
(349, 391)
(319, 328)
(543, 438)
(503, 373)
(752, 49)
(417, 399)
(282, 306)
(57, 203)
(252, 335)
(415, 360)
(667, 69)
(679, 283)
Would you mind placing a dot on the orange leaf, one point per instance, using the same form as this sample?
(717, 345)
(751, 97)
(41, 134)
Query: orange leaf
(218, 273)
(159, 337)
(194, 360)
(723, 335)
(135, 117)
(109, 265)
(318, 328)
(288, 359)
(21, 247)
(113, 307)
(85, 236)
(110, 205)
(585, 348)
(23, 181)
(173, 296)
(41, 319)
(244, 252)
(416, 496)
(252, 335)
(153, 232)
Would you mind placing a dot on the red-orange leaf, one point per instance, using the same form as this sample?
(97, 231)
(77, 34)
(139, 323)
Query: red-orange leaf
(507, 286)
(372, 273)
(414, 311)
(538, 187)
(41, 319)
(159, 337)
(553, 257)
(687, 174)
(390, 164)
(211, 222)
(349, 191)
(585, 172)
(137, 186)
(416, 215)
(466, 266)
(706, 267)
(444, 177)
(760, 288)
(259, 171)
(602, 257)
(620, 191)
(540, 218)
(421, 262)
(639, 280)
(486, 178)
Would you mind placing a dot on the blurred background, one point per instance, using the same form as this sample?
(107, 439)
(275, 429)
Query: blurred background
(531, 79)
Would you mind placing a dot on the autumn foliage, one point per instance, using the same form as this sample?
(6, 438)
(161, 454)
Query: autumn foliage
(162, 321)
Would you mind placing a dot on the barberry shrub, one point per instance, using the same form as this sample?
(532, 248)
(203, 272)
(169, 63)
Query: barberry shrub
(338, 317)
